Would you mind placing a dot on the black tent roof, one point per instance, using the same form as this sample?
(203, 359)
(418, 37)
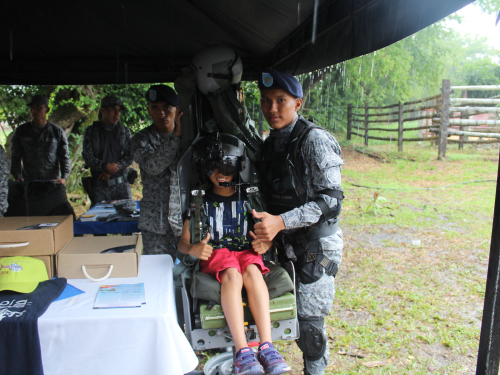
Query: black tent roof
(127, 41)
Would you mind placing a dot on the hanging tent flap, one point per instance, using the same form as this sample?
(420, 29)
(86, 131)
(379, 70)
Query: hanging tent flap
(98, 42)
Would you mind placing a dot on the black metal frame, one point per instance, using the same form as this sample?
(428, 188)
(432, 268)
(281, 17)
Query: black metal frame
(489, 343)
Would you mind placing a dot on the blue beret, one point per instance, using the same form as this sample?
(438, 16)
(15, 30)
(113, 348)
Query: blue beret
(272, 79)
(162, 93)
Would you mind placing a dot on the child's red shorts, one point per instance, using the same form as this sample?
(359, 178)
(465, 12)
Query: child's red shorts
(224, 258)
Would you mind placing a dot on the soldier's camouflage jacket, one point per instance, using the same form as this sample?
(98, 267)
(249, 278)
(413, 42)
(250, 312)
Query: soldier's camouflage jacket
(91, 144)
(322, 166)
(44, 153)
(158, 158)
(4, 178)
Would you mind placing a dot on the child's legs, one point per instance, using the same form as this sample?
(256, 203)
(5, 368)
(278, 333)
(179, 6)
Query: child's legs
(258, 300)
(232, 305)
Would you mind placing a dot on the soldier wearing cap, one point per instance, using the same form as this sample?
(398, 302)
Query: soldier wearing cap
(157, 151)
(301, 177)
(41, 146)
(106, 150)
(4, 179)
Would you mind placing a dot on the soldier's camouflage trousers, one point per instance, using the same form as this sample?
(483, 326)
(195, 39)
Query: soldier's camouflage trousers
(115, 192)
(159, 243)
(316, 299)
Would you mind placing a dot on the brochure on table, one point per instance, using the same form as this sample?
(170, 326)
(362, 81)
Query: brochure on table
(120, 296)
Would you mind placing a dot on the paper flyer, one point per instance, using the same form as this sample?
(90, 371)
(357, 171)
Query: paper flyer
(120, 296)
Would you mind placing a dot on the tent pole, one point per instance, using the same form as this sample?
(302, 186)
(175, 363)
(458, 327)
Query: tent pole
(489, 343)
(260, 121)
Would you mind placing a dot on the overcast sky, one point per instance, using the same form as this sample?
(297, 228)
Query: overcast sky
(477, 23)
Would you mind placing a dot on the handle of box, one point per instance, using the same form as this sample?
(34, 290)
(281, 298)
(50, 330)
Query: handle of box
(18, 244)
(101, 279)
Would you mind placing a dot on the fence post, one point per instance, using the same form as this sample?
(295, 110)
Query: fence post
(366, 123)
(445, 117)
(400, 127)
(463, 127)
(349, 121)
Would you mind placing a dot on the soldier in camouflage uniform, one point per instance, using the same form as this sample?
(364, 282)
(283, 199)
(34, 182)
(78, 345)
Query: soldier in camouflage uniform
(106, 150)
(157, 151)
(316, 250)
(41, 146)
(4, 179)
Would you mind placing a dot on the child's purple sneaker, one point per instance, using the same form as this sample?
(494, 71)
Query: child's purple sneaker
(272, 360)
(246, 362)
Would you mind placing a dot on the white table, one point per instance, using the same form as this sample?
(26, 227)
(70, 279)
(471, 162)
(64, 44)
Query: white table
(76, 339)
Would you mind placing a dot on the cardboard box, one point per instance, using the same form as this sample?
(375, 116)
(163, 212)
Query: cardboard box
(49, 261)
(86, 251)
(43, 241)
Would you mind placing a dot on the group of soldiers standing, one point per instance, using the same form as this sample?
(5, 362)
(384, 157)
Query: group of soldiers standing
(40, 153)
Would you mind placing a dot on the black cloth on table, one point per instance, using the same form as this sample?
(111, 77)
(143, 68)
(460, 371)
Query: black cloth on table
(19, 342)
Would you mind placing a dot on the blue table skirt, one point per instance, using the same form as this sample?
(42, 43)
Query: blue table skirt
(101, 227)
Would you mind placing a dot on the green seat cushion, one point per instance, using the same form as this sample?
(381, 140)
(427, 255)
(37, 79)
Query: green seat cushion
(206, 287)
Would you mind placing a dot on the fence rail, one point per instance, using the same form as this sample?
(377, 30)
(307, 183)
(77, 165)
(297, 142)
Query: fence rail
(436, 115)
(418, 110)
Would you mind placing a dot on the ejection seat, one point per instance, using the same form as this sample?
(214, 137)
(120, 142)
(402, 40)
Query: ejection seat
(202, 318)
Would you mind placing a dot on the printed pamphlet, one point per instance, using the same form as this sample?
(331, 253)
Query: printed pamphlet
(120, 296)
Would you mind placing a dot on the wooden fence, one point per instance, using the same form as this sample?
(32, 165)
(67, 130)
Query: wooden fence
(455, 113)
(423, 110)
(439, 117)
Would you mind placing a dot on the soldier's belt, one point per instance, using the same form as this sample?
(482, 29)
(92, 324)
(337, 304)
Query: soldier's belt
(302, 241)
(110, 182)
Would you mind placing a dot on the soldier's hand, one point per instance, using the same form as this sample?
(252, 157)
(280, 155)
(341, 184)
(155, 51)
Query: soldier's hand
(20, 180)
(112, 168)
(268, 227)
(202, 250)
(60, 181)
(104, 176)
(259, 246)
(177, 122)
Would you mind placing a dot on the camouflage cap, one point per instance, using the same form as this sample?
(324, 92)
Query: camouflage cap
(112, 101)
(38, 100)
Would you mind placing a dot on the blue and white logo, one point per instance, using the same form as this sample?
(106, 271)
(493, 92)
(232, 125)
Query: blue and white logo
(267, 79)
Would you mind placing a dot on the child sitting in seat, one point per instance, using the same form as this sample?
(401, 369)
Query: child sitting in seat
(226, 254)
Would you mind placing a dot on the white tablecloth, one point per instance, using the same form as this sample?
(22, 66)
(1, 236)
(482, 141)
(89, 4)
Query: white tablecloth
(76, 339)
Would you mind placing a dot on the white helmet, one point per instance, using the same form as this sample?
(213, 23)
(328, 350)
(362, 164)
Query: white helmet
(216, 67)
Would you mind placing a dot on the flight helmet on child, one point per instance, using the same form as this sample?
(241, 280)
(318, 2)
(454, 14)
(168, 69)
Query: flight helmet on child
(224, 152)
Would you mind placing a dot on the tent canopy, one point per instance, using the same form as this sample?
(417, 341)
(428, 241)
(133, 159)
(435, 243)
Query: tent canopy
(126, 41)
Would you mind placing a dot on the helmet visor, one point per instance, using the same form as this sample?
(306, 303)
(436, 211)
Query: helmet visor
(228, 165)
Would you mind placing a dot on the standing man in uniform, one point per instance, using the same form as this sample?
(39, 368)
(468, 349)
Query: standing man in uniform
(157, 151)
(4, 180)
(301, 178)
(41, 146)
(106, 150)
(40, 157)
